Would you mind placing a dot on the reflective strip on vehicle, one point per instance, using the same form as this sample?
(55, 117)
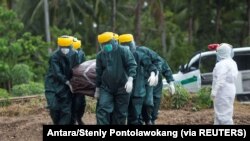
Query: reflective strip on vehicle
(189, 80)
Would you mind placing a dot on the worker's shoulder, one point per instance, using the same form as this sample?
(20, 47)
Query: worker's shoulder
(123, 49)
(144, 49)
(54, 54)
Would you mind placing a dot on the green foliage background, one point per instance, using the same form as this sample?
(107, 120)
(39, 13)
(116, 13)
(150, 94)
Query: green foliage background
(187, 26)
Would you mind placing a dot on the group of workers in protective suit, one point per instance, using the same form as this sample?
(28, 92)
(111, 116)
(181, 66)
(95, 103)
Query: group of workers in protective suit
(126, 77)
(128, 82)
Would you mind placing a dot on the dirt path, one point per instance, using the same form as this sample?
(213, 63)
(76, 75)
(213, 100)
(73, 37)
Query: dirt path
(29, 127)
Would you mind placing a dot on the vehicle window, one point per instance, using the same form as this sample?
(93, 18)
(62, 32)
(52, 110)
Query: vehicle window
(207, 64)
(242, 60)
(194, 66)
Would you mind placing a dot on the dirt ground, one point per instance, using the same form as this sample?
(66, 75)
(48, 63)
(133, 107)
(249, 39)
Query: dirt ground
(28, 126)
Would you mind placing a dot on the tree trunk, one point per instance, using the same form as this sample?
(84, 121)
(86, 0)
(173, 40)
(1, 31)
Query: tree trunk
(113, 15)
(9, 4)
(138, 20)
(163, 30)
(47, 30)
(190, 22)
(218, 19)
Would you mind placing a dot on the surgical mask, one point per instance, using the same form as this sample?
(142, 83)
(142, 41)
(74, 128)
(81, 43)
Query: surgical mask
(65, 50)
(107, 47)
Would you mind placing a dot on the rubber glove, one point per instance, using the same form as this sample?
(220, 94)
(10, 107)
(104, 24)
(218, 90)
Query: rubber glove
(171, 88)
(97, 93)
(129, 85)
(70, 86)
(151, 79)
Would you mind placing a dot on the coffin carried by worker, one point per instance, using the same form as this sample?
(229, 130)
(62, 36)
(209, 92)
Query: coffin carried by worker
(83, 80)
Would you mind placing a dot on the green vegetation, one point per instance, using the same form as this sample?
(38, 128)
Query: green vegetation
(175, 29)
(3, 93)
(28, 89)
(185, 100)
(180, 98)
(21, 74)
(203, 99)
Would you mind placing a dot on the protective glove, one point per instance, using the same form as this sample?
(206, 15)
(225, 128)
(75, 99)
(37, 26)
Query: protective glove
(156, 78)
(151, 79)
(129, 85)
(171, 88)
(70, 86)
(97, 93)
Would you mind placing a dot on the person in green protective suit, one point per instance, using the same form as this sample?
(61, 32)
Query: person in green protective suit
(115, 71)
(57, 86)
(148, 103)
(144, 64)
(157, 92)
(78, 102)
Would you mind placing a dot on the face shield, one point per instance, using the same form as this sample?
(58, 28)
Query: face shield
(131, 45)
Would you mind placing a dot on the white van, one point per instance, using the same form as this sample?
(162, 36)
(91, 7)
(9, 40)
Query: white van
(198, 72)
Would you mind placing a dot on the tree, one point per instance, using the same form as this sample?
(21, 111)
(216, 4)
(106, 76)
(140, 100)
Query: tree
(18, 47)
(138, 20)
(218, 18)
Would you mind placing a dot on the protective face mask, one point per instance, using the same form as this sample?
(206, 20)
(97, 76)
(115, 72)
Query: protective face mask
(107, 47)
(65, 50)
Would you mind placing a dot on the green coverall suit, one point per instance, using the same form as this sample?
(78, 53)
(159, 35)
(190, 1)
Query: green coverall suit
(167, 73)
(58, 94)
(144, 64)
(112, 70)
(79, 102)
(148, 104)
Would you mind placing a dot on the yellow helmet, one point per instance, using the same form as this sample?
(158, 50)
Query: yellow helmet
(76, 43)
(126, 38)
(116, 36)
(105, 37)
(64, 41)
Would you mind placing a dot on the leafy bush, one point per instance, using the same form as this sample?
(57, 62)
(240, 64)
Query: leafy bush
(21, 74)
(31, 88)
(166, 100)
(34, 53)
(203, 99)
(180, 98)
(4, 95)
(4, 72)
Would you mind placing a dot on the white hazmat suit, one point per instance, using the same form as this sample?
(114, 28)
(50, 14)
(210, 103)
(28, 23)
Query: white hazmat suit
(223, 88)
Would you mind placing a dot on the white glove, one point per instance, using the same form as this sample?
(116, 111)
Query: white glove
(70, 86)
(171, 88)
(156, 78)
(129, 85)
(151, 79)
(97, 93)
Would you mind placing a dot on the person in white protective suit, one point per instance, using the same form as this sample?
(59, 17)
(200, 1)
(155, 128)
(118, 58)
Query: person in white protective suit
(223, 88)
